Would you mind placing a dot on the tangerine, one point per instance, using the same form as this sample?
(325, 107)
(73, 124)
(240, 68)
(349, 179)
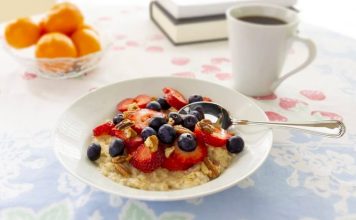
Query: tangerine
(55, 45)
(22, 33)
(86, 41)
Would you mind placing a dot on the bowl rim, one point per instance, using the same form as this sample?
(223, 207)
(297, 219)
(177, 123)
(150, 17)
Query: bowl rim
(143, 197)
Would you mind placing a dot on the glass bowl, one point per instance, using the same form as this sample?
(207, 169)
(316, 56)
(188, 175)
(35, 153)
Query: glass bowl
(59, 68)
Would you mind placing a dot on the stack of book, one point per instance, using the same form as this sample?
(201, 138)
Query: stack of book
(193, 21)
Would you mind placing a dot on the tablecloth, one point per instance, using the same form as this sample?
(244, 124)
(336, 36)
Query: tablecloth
(305, 177)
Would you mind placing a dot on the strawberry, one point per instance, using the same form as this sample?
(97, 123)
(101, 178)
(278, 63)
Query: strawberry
(145, 160)
(133, 143)
(174, 98)
(124, 104)
(140, 100)
(216, 138)
(118, 133)
(141, 118)
(103, 129)
(182, 160)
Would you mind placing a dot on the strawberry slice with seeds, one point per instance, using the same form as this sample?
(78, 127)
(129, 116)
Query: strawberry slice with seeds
(142, 100)
(132, 144)
(124, 104)
(182, 160)
(141, 118)
(174, 98)
(103, 129)
(145, 160)
(217, 137)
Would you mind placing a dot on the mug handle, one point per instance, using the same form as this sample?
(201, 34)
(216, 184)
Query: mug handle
(311, 56)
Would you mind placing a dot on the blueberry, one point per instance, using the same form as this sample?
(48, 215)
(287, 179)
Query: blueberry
(176, 117)
(118, 118)
(187, 142)
(157, 122)
(189, 121)
(197, 114)
(199, 108)
(116, 147)
(147, 131)
(235, 144)
(166, 134)
(154, 105)
(93, 151)
(195, 98)
(164, 104)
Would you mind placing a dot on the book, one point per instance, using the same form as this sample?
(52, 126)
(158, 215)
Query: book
(188, 30)
(201, 8)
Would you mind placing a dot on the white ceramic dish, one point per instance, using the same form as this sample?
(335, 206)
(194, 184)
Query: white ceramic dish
(73, 132)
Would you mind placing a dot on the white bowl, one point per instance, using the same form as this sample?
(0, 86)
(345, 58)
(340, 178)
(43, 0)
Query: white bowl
(73, 132)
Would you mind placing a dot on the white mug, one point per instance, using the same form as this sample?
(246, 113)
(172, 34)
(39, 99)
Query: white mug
(258, 51)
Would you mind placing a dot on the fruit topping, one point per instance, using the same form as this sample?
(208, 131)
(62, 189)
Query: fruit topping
(140, 100)
(164, 104)
(94, 151)
(182, 160)
(174, 98)
(176, 117)
(142, 117)
(187, 142)
(157, 122)
(132, 144)
(197, 114)
(118, 118)
(235, 144)
(195, 98)
(190, 121)
(147, 131)
(116, 147)
(145, 160)
(166, 134)
(103, 129)
(154, 105)
(214, 136)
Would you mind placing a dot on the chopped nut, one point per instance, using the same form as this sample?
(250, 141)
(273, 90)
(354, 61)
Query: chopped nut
(128, 114)
(206, 125)
(215, 171)
(122, 169)
(124, 124)
(180, 129)
(119, 159)
(152, 143)
(130, 133)
(168, 151)
(133, 107)
(170, 121)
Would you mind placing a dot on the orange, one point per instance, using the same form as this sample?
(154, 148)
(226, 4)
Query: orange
(55, 45)
(22, 33)
(86, 41)
(63, 17)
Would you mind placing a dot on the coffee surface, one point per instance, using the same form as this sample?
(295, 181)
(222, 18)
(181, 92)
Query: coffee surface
(262, 20)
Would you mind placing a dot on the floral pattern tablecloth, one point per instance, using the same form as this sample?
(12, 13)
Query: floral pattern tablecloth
(305, 177)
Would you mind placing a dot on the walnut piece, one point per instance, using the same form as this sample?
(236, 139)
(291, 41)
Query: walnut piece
(215, 171)
(121, 159)
(180, 129)
(152, 143)
(206, 125)
(122, 169)
(133, 107)
(124, 124)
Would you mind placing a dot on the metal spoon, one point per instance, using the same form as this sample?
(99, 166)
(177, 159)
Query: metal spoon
(220, 116)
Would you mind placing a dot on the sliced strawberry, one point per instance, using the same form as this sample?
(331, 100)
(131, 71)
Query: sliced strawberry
(217, 138)
(182, 160)
(118, 133)
(142, 100)
(207, 99)
(103, 129)
(174, 98)
(145, 160)
(132, 144)
(141, 118)
(124, 104)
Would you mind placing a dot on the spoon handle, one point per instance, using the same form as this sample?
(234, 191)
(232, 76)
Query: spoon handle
(328, 128)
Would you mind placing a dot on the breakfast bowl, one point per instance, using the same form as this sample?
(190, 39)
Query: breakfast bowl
(73, 135)
(59, 68)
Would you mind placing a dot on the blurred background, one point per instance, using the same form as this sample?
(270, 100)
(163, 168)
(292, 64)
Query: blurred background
(336, 15)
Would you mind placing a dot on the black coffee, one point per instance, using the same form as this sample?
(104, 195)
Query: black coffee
(262, 20)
